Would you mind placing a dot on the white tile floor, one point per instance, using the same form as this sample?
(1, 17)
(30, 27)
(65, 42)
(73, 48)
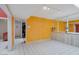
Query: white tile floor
(42, 48)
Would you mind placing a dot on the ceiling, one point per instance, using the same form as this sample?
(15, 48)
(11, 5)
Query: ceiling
(56, 10)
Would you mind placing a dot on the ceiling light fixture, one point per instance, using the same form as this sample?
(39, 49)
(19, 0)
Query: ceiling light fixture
(46, 8)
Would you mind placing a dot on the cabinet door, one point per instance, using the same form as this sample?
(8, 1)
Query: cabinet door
(77, 27)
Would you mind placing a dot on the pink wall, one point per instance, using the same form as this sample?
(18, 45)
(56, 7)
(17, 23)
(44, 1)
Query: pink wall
(2, 13)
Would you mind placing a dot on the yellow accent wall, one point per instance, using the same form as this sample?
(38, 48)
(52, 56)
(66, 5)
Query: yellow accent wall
(62, 26)
(54, 25)
(39, 28)
(74, 21)
(71, 27)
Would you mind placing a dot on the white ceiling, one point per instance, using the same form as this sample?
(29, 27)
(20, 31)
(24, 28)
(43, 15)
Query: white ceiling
(56, 10)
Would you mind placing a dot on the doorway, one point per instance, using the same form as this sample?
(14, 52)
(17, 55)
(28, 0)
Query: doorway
(77, 27)
(3, 33)
(23, 29)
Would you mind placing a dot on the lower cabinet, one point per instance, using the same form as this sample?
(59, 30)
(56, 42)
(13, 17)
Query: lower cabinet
(68, 38)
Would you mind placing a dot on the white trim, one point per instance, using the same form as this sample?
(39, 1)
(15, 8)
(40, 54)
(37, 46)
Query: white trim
(9, 30)
(73, 33)
(67, 26)
(14, 32)
(21, 28)
(3, 18)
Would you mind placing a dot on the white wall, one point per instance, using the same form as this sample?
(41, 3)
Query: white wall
(18, 28)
